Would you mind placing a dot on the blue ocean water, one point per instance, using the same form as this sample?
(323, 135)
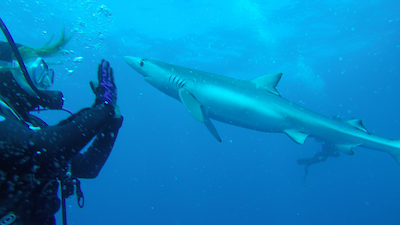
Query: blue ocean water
(338, 57)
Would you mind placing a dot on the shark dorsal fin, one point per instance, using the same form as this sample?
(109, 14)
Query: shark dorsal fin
(268, 82)
(357, 123)
(297, 136)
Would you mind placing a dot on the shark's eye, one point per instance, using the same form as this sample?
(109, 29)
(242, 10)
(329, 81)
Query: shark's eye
(141, 62)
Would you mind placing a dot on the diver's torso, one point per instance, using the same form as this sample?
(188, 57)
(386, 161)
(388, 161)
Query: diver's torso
(26, 194)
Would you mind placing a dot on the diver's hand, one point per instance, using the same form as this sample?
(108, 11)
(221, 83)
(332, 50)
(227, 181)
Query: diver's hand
(105, 90)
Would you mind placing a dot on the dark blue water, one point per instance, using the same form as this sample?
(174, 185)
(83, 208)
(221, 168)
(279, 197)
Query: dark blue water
(338, 58)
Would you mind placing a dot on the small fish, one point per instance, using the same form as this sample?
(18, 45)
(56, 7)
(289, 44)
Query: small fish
(78, 59)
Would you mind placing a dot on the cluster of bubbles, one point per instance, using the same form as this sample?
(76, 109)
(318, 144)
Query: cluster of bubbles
(93, 24)
(307, 76)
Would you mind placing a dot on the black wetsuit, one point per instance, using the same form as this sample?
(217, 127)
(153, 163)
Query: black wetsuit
(34, 155)
(31, 159)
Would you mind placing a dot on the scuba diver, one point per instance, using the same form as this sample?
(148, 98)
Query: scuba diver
(328, 150)
(34, 157)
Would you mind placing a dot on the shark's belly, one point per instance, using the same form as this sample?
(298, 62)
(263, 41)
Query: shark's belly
(243, 109)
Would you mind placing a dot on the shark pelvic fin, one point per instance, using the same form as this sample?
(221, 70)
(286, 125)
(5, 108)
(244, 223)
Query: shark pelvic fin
(297, 136)
(357, 123)
(396, 156)
(191, 104)
(347, 149)
(396, 153)
(268, 82)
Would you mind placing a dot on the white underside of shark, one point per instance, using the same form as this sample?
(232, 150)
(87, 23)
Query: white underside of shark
(256, 105)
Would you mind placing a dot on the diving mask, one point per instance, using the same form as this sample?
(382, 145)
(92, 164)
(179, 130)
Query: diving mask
(40, 74)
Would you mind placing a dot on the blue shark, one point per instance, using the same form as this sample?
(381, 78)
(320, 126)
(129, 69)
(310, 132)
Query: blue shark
(255, 104)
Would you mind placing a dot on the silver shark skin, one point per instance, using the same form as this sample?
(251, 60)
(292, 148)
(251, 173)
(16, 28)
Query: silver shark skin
(256, 105)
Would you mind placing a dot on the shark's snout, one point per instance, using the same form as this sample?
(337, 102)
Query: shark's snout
(134, 62)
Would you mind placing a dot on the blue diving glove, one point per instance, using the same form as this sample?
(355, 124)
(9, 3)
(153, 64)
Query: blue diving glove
(105, 90)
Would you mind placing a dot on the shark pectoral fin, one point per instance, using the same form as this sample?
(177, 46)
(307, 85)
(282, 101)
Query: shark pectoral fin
(297, 136)
(357, 123)
(347, 149)
(191, 104)
(212, 129)
(268, 82)
(196, 110)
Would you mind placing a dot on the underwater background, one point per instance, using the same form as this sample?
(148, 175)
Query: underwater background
(338, 57)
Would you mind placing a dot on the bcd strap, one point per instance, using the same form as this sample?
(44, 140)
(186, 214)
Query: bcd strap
(63, 205)
(67, 190)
